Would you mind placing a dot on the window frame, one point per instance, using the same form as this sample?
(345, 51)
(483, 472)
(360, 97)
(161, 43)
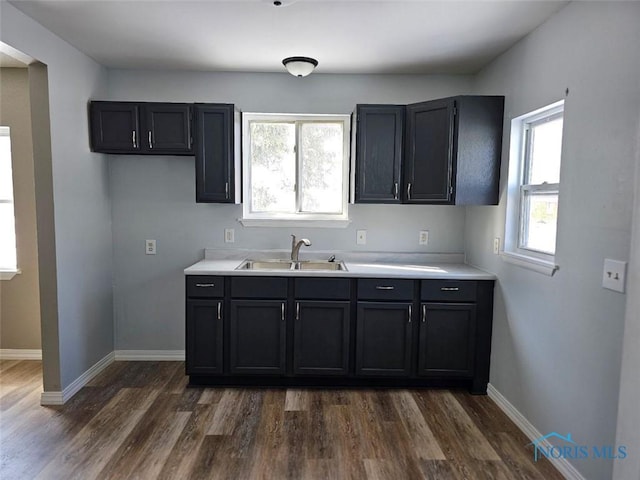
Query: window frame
(8, 272)
(299, 217)
(515, 248)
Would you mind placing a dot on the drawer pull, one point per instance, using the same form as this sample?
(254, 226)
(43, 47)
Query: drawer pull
(424, 313)
(205, 285)
(449, 289)
(384, 287)
(219, 310)
(409, 313)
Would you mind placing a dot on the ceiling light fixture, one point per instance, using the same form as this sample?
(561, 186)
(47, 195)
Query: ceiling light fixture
(300, 66)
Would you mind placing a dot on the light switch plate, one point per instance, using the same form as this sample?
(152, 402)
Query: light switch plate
(150, 247)
(614, 275)
(361, 237)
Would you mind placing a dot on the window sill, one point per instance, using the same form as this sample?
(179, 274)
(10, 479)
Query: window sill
(268, 222)
(535, 264)
(9, 274)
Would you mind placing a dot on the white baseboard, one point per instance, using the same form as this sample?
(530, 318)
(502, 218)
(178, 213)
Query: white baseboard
(60, 398)
(20, 354)
(561, 464)
(150, 355)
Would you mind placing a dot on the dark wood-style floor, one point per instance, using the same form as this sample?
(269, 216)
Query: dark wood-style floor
(137, 420)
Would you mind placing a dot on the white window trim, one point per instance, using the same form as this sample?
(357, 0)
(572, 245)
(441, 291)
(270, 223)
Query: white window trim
(252, 219)
(8, 273)
(514, 253)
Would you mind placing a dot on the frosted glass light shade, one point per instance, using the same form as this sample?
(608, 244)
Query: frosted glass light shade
(300, 66)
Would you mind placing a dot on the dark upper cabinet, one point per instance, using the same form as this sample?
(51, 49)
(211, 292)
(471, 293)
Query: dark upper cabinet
(321, 338)
(168, 127)
(115, 127)
(214, 150)
(257, 335)
(141, 128)
(383, 339)
(452, 151)
(379, 151)
(447, 340)
(204, 336)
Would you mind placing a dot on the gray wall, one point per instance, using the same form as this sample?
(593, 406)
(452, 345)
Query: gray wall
(81, 201)
(557, 340)
(20, 297)
(154, 197)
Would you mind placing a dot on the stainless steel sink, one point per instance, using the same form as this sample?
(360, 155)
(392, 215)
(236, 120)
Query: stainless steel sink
(320, 265)
(289, 265)
(267, 265)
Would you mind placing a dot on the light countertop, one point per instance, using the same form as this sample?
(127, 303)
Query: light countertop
(362, 265)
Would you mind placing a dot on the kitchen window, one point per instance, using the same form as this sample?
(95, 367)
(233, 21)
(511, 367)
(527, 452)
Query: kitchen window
(8, 257)
(534, 188)
(295, 169)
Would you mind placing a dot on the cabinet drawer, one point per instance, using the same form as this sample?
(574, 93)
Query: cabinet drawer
(258, 287)
(449, 290)
(323, 288)
(205, 286)
(385, 289)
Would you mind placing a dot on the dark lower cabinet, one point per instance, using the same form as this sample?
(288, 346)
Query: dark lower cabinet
(383, 339)
(447, 340)
(257, 337)
(321, 338)
(204, 337)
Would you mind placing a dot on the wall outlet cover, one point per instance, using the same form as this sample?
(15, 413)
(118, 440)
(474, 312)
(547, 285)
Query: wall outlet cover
(229, 235)
(496, 245)
(150, 247)
(423, 237)
(614, 275)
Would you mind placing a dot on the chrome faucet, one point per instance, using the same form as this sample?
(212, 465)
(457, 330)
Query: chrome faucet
(295, 247)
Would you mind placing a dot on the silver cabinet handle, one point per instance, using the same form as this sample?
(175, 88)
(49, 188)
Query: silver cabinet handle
(408, 191)
(219, 310)
(205, 285)
(297, 310)
(395, 191)
(133, 138)
(449, 289)
(424, 313)
(384, 287)
(410, 313)
(226, 190)
(283, 311)
(150, 142)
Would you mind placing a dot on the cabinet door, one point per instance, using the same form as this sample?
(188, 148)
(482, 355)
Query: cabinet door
(321, 338)
(257, 337)
(447, 339)
(115, 127)
(383, 339)
(214, 153)
(204, 337)
(429, 156)
(168, 128)
(380, 130)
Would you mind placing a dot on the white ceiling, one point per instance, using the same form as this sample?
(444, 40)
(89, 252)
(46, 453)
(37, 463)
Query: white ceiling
(347, 36)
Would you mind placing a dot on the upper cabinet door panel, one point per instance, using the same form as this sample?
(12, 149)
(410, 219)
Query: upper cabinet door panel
(214, 153)
(429, 154)
(380, 130)
(115, 127)
(168, 127)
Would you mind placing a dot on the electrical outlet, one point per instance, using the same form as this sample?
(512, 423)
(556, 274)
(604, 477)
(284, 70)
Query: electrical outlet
(229, 235)
(614, 275)
(496, 245)
(361, 237)
(423, 238)
(150, 247)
